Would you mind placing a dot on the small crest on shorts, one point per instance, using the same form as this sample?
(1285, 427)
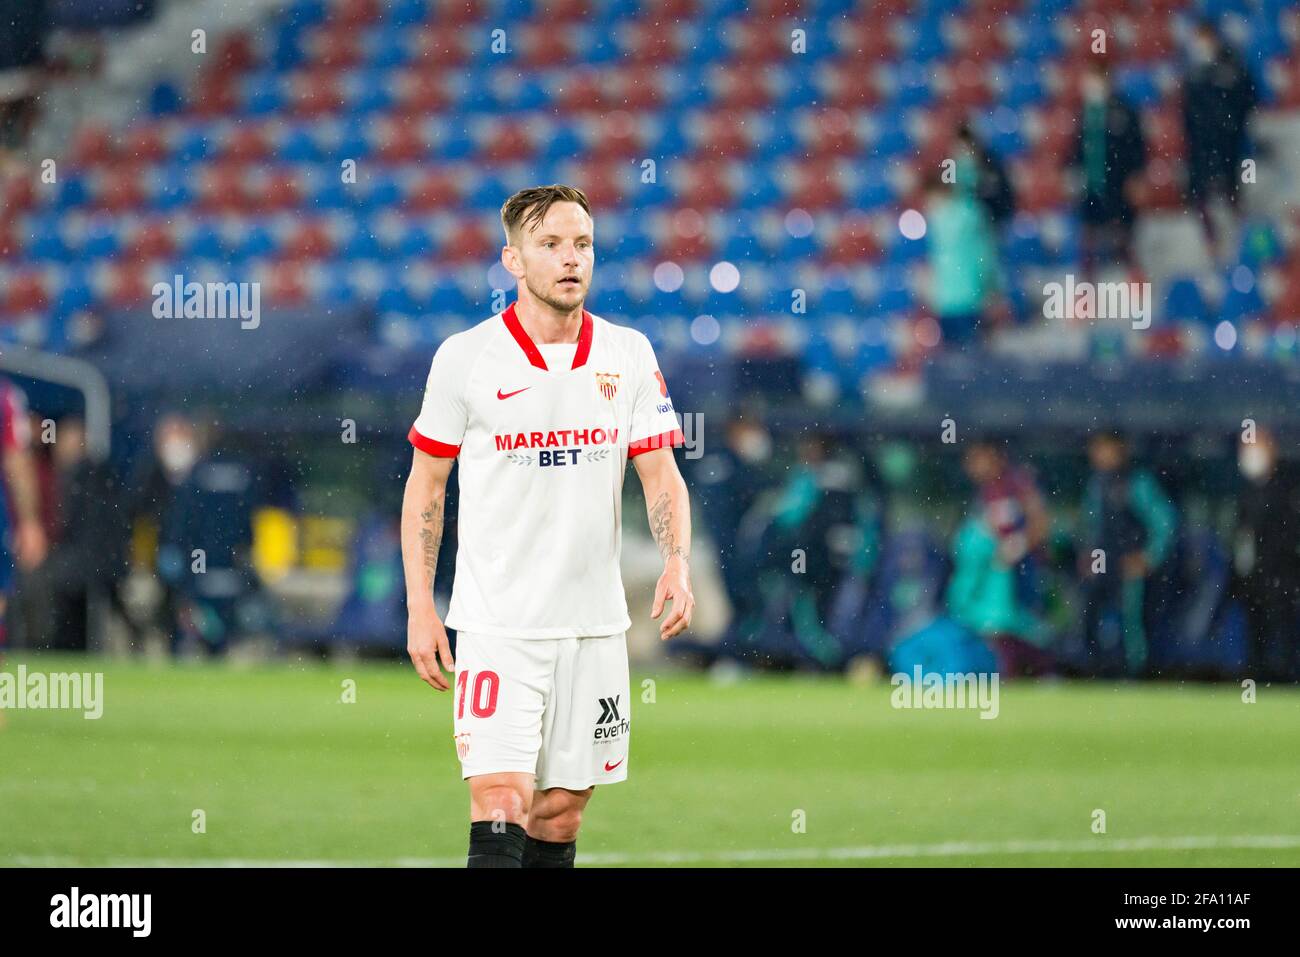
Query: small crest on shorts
(462, 745)
(607, 383)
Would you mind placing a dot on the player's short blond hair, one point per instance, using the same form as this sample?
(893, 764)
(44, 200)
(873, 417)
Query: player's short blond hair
(529, 207)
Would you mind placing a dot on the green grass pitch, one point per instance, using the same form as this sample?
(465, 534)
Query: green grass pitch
(720, 774)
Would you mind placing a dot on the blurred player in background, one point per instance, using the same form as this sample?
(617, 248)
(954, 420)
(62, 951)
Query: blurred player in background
(1129, 519)
(1266, 559)
(543, 405)
(22, 537)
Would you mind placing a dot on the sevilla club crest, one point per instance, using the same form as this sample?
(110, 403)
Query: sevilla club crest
(607, 383)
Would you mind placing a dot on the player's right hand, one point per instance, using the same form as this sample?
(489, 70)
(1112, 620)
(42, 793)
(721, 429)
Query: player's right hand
(426, 643)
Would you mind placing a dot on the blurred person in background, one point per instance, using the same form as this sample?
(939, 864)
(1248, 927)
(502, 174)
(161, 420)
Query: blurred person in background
(201, 502)
(1266, 559)
(995, 588)
(204, 546)
(821, 530)
(1128, 517)
(1218, 99)
(157, 478)
(87, 552)
(1110, 151)
(24, 25)
(23, 542)
(985, 173)
(963, 258)
(728, 481)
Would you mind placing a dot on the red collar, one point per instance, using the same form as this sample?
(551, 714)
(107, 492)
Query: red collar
(530, 348)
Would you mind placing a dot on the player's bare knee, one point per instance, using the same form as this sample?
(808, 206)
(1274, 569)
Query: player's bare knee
(560, 825)
(557, 814)
(499, 802)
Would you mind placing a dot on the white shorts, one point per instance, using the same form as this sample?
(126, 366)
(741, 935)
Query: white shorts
(558, 708)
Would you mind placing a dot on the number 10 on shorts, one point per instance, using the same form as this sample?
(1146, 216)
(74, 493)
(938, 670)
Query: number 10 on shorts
(483, 700)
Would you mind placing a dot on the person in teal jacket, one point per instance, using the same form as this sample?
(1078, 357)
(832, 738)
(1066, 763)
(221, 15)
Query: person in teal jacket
(1126, 533)
(982, 594)
(963, 256)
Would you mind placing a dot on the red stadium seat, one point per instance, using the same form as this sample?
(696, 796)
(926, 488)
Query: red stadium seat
(978, 35)
(26, 293)
(222, 188)
(452, 13)
(92, 145)
(144, 144)
(648, 43)
(1148, 37)
(854, 243)
(421, 91)
(120, 189)
(705, 184)
(276, 188)
(315, 94)
(401, 141)
(757, 40)
(438, 189)
(245, 144)
(16, 196)
(151, 240)
(739, 88)
(440, 45)
(1040, 185)
(312, 240)
(847, 85)
(832, 133)
(468, 242)
(337, 48)
(355, 12)
(507, 142)
(565, 11)
(720, 135)
(542, 46)
(214, 95)
(865, 44)
(817, 185)
(965, 84)
(585, 92)
(639, 87)
(129, 283)
(1053, 132)
(601, 181)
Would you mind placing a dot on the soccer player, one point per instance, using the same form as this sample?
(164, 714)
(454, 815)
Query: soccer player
(543, 405)
(21, 534)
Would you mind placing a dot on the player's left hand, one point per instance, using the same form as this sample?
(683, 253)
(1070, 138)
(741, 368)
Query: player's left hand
(674, 585)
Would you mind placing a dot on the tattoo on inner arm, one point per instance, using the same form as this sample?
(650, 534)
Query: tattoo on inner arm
(661, 527)
(431, 539)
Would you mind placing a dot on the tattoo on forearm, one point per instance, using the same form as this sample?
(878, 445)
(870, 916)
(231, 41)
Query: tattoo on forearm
(661, 527)
(431, 539)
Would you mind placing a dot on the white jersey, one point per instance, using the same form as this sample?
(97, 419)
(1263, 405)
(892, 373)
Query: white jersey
(543, 435)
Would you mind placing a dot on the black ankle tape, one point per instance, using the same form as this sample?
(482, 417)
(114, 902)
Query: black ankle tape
(493, 844)
(549, 853)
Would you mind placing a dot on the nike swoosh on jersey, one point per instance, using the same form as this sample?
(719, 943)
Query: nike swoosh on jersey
(509, 394)
(611, 767)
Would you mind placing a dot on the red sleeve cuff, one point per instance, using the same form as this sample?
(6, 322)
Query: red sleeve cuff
(432, 446)
(664, 440)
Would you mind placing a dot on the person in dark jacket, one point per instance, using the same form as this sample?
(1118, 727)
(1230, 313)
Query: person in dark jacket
(1219, 96)
(1266, 559)
(88, 551)
(1127, 529)
(1109, 153)
(993, 186)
